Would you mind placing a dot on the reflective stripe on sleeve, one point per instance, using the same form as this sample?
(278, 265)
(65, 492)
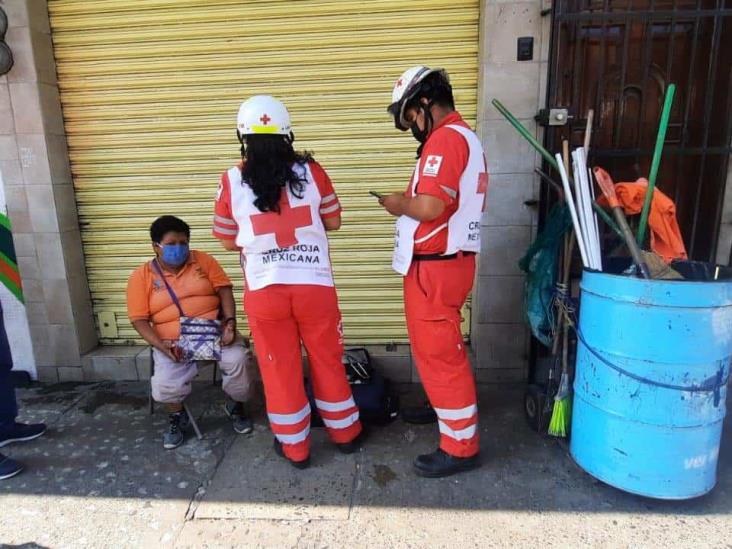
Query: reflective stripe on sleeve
(330, 209)
(452, 193)
(224, 220)
(431, 234)
(229, 232)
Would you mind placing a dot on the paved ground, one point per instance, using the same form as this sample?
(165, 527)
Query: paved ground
(100, 478)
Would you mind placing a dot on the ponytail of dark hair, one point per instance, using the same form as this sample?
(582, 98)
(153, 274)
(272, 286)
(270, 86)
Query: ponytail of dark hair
(268, 161)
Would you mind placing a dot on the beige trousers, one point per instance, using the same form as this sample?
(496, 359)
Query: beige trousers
(171, 383)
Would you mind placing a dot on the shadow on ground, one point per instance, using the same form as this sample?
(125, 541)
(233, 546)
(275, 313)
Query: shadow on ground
(102, 443)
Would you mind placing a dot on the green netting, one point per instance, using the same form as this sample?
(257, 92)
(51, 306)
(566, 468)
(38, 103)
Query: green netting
(540, 263)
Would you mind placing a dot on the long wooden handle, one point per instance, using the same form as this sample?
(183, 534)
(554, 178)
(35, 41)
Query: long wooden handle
(588, 130)
(565, 332)
(630, 242)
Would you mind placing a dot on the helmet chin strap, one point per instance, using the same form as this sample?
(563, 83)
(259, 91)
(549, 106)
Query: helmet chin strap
(243, 148)
(422, 135)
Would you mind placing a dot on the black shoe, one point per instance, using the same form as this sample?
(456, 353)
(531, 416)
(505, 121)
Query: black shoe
(304, 464)
(9, 467)
(419, 415)
(174, 436)
(21, 432)
(441, 464)
(239, 419)
(355, 444)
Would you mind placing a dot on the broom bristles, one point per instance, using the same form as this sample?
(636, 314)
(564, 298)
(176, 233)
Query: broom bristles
(561, 417)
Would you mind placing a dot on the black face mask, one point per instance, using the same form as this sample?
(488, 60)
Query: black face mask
(422, 135)
(419, 135)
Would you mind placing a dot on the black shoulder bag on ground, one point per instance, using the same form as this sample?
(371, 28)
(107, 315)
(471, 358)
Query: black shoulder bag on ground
(377, 402)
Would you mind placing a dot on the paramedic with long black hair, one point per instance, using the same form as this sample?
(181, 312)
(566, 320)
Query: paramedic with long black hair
(275, 208)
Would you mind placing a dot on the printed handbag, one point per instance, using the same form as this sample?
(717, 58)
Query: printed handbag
(200, 338)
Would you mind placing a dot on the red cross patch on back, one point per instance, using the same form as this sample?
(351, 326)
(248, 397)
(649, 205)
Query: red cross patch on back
(284, 223)
(483, 187)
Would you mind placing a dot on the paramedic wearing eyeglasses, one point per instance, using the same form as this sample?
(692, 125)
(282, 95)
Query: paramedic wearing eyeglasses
(437, 239)
(275, 208)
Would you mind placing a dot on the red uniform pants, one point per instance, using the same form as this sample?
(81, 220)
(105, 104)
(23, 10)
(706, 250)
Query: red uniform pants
(434, 293)
(281, 317)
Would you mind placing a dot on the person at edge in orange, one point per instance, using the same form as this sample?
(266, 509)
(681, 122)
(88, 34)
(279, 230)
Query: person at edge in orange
(437, 239)
(275, 208)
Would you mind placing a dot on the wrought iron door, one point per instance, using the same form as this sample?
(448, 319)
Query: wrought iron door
(617, 57)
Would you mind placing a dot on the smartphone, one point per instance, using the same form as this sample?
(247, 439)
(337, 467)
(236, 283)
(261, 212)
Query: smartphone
(377, 195)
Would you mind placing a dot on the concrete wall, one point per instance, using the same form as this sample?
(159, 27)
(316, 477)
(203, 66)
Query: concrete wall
(40, 196)
(500, 339)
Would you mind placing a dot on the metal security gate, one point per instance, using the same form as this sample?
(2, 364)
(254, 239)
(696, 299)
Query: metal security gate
(150, 91)
(617, 57)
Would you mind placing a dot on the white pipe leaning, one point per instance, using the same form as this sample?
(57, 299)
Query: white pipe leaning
(586, 215)
(572, 210)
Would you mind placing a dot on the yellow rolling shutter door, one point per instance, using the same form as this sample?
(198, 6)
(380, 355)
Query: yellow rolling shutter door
(150, 90)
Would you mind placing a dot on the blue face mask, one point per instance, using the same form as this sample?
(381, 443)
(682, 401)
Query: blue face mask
(174, 254)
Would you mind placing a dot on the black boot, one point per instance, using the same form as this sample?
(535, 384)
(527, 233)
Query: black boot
(304, 464)
(355, 444)
(441, 464)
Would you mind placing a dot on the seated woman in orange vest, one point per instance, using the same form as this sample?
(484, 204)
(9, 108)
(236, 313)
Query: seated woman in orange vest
(201, 290)
(276, 208)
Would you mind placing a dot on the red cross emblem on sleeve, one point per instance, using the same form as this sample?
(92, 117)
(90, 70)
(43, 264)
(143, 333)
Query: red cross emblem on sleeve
(284, 223)
(265, 119)
(483, 187)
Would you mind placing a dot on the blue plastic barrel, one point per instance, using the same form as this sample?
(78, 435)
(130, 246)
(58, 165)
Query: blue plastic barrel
(653, 360)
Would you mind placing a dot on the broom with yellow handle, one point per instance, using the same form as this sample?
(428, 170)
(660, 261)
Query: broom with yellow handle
(560, 421)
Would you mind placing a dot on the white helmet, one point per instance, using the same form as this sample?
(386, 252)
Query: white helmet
(263, 114)
(404, 89)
